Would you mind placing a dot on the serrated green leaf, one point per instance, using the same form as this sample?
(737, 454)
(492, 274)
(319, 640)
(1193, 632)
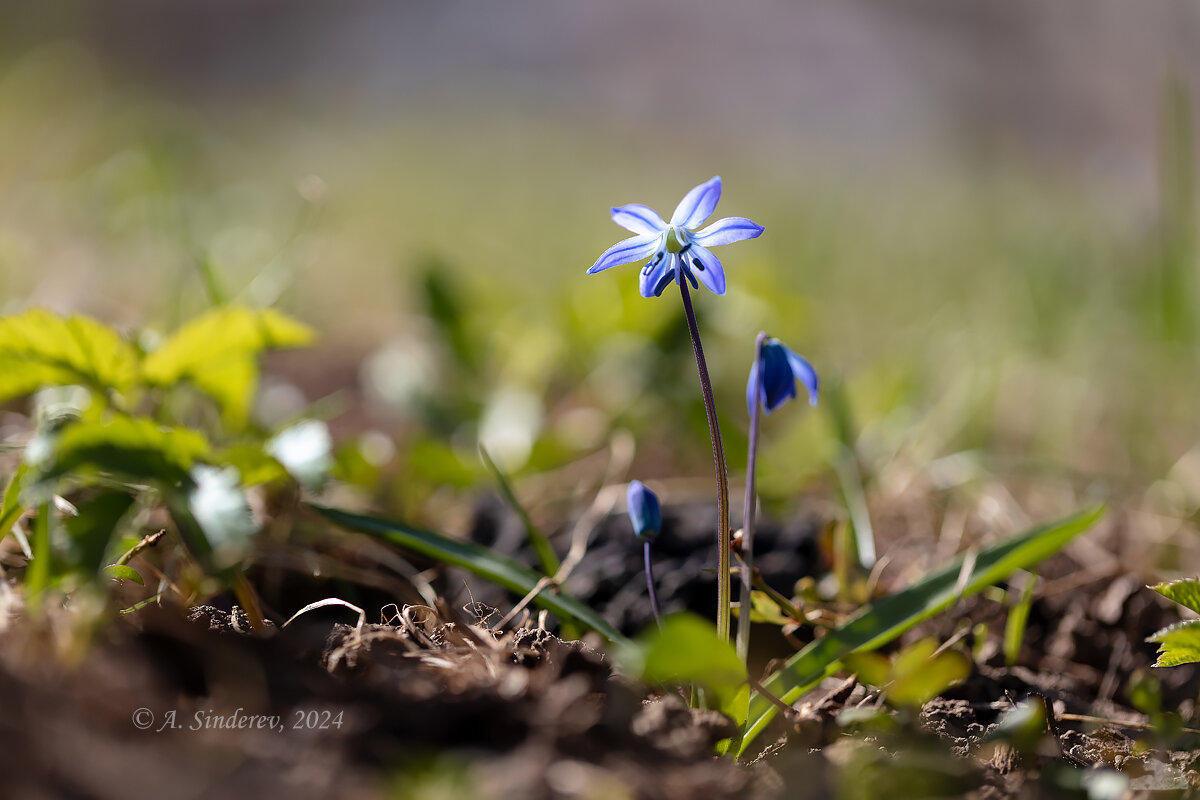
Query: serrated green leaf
(1185, 592)
(131, 447)
(39, 348)
(124, 572)
(219, 334)
(217, 352)
(882, 621)
(232, 382)
(1178, 644)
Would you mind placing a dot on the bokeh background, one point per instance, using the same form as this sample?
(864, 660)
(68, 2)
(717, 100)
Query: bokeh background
(980, 224)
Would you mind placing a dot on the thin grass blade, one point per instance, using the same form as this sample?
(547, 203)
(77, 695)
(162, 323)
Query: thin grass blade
(539, 540)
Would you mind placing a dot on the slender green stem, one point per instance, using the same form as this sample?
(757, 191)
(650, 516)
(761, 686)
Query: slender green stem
(650, 585)
(714, 432)
(744, 599)
(785, 605)
(37, 576)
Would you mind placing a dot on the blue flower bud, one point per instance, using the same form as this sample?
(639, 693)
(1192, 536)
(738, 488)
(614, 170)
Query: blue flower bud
(780, 369)
(644, 511)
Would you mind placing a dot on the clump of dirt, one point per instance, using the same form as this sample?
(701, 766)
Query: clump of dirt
(213, 707)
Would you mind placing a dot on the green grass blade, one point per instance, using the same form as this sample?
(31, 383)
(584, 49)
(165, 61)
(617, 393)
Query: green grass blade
(540, 541)
(476, 559)
(11, 510)
(1018, 618)
(884, 620)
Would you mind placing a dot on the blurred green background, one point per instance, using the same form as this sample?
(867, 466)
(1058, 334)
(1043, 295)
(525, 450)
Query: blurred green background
(980, 221)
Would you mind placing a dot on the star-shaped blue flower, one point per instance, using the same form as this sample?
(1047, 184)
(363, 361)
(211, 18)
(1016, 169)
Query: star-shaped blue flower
(676, 249)
(780, 369)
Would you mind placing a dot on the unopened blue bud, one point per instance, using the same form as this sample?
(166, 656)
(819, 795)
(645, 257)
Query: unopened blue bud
(644, 510)
(780, 369)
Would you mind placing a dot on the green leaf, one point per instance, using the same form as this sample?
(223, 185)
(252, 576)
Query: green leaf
(476, 559)
(91, 530)
(1018, 618)
(216, 352)
(539, 541)
(232, 382)
(1178, 644)
(922, 676)
(38, 574)
(124, 572)
(11, 509)
(39, 348)
(254, 465)
(884, 620)
(916, 675)
(1185, 592)
(687, 650)
(873, 669)
(764, 608)
(131, 447)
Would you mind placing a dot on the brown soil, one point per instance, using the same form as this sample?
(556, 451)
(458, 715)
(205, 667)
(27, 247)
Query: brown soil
(430, 702)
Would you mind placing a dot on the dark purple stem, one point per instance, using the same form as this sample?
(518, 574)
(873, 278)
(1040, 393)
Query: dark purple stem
(714, 432)
(650, 585)
(744, 597)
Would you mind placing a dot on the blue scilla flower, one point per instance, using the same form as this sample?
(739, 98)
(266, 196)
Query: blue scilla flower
(780, 369)
(676, 249)
(644, 511)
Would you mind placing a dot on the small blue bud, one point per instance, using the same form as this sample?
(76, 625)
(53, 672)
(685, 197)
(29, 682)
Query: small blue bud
(780, 369)
(644, 511)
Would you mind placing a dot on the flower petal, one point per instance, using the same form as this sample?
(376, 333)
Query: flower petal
(635, 248)
(703, 265)
(778, 381)
(804, 373)
(645, 513)
(658, 273)
(754, 390)
(728, 231)
(638, 218)
(697, 205)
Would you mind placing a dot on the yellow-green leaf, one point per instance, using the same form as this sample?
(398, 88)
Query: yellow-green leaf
(1178, 644)
(39, 348)
(217, 335)
(125, 573)
(254, 465)
(1185, 592)
(688, 650)
(232, 382)
(132, 447)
